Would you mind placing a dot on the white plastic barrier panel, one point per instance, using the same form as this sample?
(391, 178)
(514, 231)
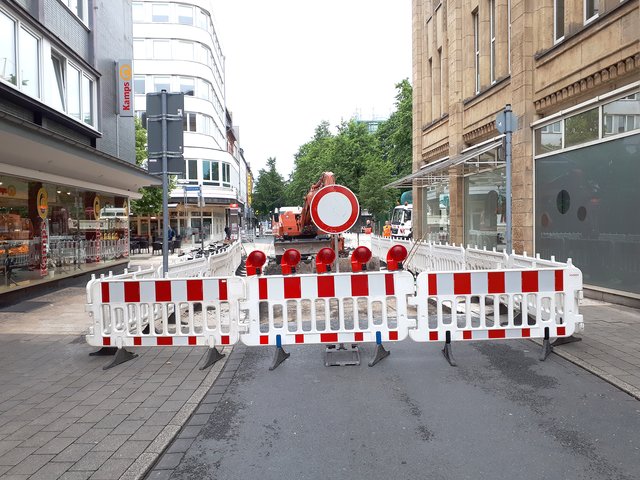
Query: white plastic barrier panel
(329, 308)
(483, 305)
(164, 312)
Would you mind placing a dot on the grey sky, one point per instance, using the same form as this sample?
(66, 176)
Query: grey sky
(292, 63)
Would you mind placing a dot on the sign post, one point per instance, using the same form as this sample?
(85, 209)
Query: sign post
(506, 121)
(334, 209)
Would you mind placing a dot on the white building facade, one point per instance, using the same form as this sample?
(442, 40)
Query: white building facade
(176, 48)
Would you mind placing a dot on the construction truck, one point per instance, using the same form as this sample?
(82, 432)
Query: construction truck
(293, 227)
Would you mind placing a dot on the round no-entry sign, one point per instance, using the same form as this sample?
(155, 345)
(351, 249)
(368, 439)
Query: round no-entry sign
(334, 209)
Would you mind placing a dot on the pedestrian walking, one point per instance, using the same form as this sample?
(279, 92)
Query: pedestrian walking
(386, 230)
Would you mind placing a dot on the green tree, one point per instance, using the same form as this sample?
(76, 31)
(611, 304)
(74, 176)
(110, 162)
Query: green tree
(395, 134)
(372, 194)
(268, 191)
(151, 201)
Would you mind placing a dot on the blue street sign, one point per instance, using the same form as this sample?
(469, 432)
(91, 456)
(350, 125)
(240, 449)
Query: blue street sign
(191, 188)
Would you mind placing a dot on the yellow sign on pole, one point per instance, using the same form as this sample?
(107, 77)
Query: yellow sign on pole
(96, 207)
(43, 203)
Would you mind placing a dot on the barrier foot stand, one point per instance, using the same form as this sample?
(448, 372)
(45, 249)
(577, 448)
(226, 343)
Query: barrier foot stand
(213, 355)
(104, 352)
(546, 346)
(122, 356)
(381, 353)
(565, 340)
(447, 351)
(279, 357)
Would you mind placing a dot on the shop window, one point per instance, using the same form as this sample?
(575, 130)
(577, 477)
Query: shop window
(548, 138)
(485, 209)
(160, 12)
(581, 128)
(621, 116)
(29, 51)
(8, 49)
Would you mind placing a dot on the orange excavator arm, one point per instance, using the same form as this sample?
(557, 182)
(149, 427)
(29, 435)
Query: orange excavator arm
(305, 223)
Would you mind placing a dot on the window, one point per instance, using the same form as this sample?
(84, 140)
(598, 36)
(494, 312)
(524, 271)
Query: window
(191, 170)
(161, 49)
(581, 128)
(138, 12)
(590, 10)
(8, 49)
(492, 39)
(73, 91)
(548, 138)
(160, 12)
(28, 49)
(189, 122)
(187, 85)
(183, 51)
(161, 83)
(211, 172)
(621, 116)
(558, 20)
(476, 50)
(56, 82)
(87, 100)
(79, 8)
(226, 174)
(139, 50)
(185, 15)
(139, 84)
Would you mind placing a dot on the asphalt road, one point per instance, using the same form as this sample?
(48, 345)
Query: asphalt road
(501, 414)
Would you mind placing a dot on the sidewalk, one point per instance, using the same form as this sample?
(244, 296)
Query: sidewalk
(62, 416)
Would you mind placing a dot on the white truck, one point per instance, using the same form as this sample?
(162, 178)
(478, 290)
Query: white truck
(401, 222)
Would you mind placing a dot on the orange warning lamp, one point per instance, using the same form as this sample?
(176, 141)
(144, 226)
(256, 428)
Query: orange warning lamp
(359, 259)
(290, 258)
(324, 259)
(395, 257)
(254, 263)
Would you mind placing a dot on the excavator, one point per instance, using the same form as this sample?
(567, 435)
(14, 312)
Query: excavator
(293, 227)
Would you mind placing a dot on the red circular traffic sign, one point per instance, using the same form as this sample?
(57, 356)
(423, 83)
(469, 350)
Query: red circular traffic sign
(334, 209)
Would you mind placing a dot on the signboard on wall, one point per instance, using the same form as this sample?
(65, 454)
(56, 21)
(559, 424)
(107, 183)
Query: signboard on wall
(124, 77)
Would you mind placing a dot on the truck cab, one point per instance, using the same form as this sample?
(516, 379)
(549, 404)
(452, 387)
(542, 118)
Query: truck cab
(401, 222)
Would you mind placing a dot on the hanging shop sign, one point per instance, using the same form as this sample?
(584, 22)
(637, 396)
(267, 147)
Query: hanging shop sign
(42, 202)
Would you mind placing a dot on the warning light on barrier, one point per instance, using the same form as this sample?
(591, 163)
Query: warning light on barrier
(290, 258)
(255, 261)
(324, 259)
(395, 257)
(359, 259)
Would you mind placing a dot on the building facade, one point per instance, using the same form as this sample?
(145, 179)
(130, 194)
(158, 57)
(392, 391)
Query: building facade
(176, 48)
(570, 70)
(67, 163)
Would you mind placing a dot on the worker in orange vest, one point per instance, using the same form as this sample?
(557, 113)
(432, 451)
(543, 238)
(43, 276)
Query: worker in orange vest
(386, 230)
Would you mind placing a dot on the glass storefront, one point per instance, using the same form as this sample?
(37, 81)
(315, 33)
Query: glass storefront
(587, 208)
(435, 208)
(49, 231)
(485, 209)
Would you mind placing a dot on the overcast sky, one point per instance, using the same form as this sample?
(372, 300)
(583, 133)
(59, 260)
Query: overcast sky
(292, 63)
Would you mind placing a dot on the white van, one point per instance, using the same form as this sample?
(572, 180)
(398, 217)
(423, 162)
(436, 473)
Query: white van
(401, 222)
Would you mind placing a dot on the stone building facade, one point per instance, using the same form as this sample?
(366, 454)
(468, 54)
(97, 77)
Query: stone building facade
(570, 69)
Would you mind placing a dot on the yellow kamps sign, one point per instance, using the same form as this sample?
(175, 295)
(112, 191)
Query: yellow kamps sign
(96, 207)
(124, 74)
(42, 202)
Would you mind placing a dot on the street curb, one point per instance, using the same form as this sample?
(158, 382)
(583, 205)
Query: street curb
(145, 462)
(607, 377)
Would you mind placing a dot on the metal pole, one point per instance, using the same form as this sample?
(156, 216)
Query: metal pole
(201, 201)
(335, 247)
(165, 188)
(507, 155)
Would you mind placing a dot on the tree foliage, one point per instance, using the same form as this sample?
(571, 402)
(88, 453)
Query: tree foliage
(268, 192)
(395, 135)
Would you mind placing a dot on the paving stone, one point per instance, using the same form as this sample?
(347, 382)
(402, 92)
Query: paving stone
(69, 475)
(128, 427)
(199, 419)
(30, 464)
(6, 445)
(73, 452)
(160, 418)
(171, 406)
(91, 461)
(110, 443)
(76, 430)
(51, 471)
(112, 469)
(94, 435)
(16, 455)
(55, 445)
(180, 445)
(160, 475)
(131, 449)
(39, 439)
(111, 421)
(190, 431)
(206, 408)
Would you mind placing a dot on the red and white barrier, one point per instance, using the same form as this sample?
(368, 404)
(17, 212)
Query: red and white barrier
(338, 308)
(165, 312)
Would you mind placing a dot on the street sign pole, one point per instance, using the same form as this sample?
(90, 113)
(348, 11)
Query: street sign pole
(165, 189)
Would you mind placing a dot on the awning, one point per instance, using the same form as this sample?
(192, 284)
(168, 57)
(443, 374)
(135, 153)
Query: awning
(438, 170)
